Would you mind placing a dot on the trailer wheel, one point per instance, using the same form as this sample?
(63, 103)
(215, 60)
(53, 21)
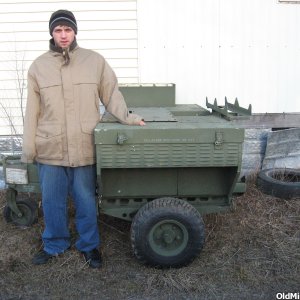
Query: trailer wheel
(279, 182)
(167, 232)
(28, 209)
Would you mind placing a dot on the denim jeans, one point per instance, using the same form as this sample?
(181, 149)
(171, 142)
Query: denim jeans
(57, 183)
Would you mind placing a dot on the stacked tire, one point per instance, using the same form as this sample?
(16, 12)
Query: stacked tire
(280, 182)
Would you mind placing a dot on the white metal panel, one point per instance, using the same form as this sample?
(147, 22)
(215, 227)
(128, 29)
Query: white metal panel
(247, 49)
(179, 43)
(259, 54)
(108, 27)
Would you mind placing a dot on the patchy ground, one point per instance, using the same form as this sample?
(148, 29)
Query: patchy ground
(252, 252)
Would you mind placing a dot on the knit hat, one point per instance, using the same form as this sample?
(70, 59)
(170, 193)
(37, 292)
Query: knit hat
(62, 17)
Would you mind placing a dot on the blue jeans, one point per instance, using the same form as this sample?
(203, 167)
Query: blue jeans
(57, 183)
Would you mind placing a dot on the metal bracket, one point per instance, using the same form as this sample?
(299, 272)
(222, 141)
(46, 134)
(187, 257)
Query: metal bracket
(121, 138)
(11, 196)
(219, 140)
(230, 111)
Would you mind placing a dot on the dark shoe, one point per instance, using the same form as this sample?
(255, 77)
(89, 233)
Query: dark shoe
(93, 258)
(41, 258)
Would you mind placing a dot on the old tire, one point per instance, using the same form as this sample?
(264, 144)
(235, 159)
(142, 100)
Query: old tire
(167, 232)
(28, 209)
(279, 182)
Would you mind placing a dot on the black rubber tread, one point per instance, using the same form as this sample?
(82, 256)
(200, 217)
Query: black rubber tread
(10, 216)
(279, 182)
(166, 209)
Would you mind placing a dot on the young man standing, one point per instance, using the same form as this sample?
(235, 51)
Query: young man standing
(64, 88)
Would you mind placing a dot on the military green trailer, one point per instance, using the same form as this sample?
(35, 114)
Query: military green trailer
(162, 177)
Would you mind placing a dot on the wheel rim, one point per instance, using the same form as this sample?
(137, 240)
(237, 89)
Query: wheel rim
(168, 238)
(26, 217)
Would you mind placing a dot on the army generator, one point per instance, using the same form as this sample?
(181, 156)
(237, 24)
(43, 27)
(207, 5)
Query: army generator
(162, 177)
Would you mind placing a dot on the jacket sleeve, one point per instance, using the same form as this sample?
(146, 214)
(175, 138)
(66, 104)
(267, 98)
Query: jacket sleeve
(113, 99)
(31, 120)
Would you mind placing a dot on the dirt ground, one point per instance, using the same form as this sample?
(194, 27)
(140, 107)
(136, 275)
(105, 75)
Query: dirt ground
(252, 252)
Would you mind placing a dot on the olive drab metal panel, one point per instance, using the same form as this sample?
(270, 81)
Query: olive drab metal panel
(183, 151)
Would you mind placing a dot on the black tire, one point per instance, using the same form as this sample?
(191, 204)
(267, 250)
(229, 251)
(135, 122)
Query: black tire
(167, 232)
(29, 216)
(279, 182)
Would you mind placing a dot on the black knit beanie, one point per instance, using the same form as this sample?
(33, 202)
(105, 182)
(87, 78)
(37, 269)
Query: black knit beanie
(62, 17)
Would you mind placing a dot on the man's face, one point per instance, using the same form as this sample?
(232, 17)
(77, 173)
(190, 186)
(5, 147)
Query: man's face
(63, 36)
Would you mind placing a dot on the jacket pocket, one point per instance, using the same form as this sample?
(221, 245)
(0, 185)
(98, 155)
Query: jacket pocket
(87, 133)
(48, 141)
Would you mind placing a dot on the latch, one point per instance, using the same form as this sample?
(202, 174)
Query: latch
(121, 138)
(219, 140)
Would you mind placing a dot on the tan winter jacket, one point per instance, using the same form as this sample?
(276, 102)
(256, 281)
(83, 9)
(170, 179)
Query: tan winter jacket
(63, 106)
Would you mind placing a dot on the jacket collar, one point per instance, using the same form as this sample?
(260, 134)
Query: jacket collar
(65, 52)
(54, 48)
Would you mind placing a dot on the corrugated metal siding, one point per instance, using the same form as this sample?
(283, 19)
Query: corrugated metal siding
(254, 148)
(283, 149)
(109, 27)
(248, 49)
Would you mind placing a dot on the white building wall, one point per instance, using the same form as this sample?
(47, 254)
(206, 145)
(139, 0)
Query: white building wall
(109, 27)
(249, 49)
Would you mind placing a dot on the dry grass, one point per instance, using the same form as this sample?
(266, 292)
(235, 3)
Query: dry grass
(252, 252)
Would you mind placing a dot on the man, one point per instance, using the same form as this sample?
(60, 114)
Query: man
(64, 88)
